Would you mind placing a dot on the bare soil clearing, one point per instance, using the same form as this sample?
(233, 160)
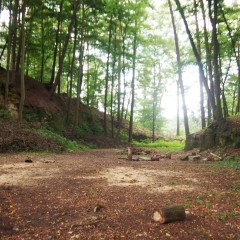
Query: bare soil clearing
(96, 195)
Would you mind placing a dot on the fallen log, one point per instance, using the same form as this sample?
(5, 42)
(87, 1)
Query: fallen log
(171, 214)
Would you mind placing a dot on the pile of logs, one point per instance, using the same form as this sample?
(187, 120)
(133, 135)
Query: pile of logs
(203, 157)
(135, 154)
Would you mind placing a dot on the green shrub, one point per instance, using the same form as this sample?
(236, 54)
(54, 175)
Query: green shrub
(4, 113)
(66, 143)
(230, 162)
(97, 129)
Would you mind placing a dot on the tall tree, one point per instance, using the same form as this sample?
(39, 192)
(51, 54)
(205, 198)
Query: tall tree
(180, 80)
(22, 89)
(64, 50)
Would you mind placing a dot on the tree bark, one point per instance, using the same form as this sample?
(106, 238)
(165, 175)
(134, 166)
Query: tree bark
(80, 69)
(64, 50)
(22, 91)
(202, 110)
(71, 72)
(56, 45)
(216, 51)
(133, 82)
(208, 59)
(107, 75)
(6, 93)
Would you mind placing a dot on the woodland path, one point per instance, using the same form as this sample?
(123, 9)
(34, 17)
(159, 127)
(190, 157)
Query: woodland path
(96, 195)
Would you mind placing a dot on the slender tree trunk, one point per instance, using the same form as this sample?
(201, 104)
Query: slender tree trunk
(216, 51)
(154, 103)
(208, 60)
(8, 57)
(42, 46)
(133, 83)
(22, 91)
(107, 75)
(71, 72)
(14, 39)
(56, 45)
(60, 68)
(178, 108)
(80, 69)
(180, 80)
(202, 110)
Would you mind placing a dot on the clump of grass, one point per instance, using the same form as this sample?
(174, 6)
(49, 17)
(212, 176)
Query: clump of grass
(230, 162)
(162, 145)
(67, 144)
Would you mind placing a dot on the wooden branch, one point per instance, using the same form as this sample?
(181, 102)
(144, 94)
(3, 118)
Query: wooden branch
(171, 214)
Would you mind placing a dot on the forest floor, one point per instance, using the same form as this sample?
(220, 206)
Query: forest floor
(97, 195)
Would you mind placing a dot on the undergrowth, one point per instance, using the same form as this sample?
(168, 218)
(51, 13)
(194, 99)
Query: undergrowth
(162, 145)
(68, 144)
(230, 162)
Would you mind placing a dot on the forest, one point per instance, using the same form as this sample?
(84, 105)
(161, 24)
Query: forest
(119, 119)
(123, 57)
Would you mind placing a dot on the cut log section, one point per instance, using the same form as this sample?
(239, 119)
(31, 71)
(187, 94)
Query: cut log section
(171, 214)
(130, 153)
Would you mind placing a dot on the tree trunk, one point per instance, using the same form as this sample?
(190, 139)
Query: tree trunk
(56, 45)
(14, 39)
(178, 108)
(8, 57)
(208, 59)
(216, 51)
(133, 83)
(180, 80)
(22, 91)
(107, 74)
(202, 110)
(171, 214)
(64, 50)
(80, 69)
(71, 72)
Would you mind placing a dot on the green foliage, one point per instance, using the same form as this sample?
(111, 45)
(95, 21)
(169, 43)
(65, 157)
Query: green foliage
(162, 145)
(4, 113)
(87, 129)
(31, 117)
(69, 145)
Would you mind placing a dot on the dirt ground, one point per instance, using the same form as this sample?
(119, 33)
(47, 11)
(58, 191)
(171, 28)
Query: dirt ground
(97, 195)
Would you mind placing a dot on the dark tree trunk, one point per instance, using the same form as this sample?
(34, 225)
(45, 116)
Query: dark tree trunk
(202, 110)
(208, 60)
(60, 68)
(14, 39)
(71, 72)
(216, 51)
(22, 89)
(80, 69)
(133, 83)
(8, 57)
(107, 75)
(56, 45)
